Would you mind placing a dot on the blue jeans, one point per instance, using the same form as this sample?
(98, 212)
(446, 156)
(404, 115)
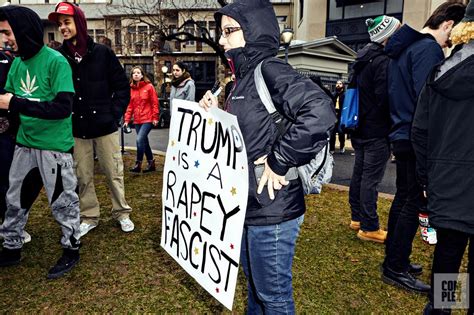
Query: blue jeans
(143, 147)
(371, 156)
(267, 258)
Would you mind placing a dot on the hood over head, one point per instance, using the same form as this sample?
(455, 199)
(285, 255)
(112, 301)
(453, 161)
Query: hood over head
(260, 27)
(402, 39)
(369, 52)
(27, 28)
(454, 84)
(78, 50)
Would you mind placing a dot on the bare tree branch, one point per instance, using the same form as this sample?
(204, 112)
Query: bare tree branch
(157, 14)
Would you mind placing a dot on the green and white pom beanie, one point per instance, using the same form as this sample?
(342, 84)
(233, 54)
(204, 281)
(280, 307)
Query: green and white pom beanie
(382, 27)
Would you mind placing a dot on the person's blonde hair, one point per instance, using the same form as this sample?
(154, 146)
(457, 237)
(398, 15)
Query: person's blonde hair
(462, 33)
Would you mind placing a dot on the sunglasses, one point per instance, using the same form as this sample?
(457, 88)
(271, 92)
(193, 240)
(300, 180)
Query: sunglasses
(229, 30)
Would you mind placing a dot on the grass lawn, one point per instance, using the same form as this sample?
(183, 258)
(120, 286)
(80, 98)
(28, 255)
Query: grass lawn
(334, 272)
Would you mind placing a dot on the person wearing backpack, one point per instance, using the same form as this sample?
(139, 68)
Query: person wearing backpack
(276, 207)
(370, 138)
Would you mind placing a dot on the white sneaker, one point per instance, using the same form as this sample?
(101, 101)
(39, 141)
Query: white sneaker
(84, 228)
(26, 237)
(127, 225)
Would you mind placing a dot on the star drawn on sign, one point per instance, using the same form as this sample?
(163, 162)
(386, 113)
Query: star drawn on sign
(173, 143)
(210, 121)
(195, 214)
(217, 290)
(174, 158)
(233, 191)
(231, 246)
(196, 251)
(196, 164)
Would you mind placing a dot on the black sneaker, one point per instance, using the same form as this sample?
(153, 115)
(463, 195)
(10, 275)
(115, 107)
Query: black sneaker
(10, 257)
(67, 261)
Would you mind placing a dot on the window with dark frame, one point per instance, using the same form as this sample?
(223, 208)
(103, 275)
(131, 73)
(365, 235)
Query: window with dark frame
(352, 9)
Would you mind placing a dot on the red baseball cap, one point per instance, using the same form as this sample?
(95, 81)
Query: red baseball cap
(64, 8)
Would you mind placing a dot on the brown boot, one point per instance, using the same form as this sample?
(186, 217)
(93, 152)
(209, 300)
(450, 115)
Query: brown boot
(137, 168)
(355, 225)
(375, 236)
(151, 167)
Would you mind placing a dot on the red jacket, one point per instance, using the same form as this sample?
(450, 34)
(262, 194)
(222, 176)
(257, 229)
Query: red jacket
(143, 104)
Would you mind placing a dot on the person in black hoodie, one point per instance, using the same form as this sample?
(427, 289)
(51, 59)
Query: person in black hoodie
(40, 90)
(102, 96)
(444, 156)
(370, 139)
(250, 36)
(413, 54)
(8, 128)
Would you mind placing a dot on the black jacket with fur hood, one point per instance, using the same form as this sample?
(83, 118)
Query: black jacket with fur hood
(296, 97)
(441, 137)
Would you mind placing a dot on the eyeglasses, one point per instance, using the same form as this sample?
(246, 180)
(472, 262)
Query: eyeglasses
(229, 30)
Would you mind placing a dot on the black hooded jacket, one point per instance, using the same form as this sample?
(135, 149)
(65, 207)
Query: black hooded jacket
(296, 97)
(413, 55)
(28, 30)
(441, 136)
(371, 70)
(8, 122)
(102, 91)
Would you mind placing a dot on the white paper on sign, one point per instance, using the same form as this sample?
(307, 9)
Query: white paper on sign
(205, 188)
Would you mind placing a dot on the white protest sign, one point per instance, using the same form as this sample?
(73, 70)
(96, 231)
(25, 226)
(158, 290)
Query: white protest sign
(205, 188)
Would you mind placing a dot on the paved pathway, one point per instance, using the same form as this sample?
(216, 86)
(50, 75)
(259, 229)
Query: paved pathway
(342, 171)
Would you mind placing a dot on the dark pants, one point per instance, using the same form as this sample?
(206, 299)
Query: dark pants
(341, 135)
(371, 157)
(448, 255)
(143, 147)
(403, 216)
(7, 148)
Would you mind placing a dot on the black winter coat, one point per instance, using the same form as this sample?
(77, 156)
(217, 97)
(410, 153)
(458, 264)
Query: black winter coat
(8, 121)
(102, 91)
(295, 96)
(441, 136)
(371, 70)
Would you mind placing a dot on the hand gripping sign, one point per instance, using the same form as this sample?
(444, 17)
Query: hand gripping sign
(205, 188)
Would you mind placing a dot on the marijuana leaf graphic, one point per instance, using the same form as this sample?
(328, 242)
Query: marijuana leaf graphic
(29, 87)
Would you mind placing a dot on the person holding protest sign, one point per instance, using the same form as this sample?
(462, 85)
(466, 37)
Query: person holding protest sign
(101, 98)
(275, 209)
